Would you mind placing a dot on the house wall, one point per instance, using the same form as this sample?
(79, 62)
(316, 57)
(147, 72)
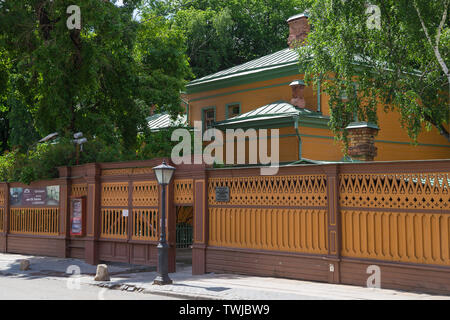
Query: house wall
(392, 141)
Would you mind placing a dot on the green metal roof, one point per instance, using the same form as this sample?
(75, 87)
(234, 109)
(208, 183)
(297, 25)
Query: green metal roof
(163, 120)
(276, 113)
(355, 125)
(282, 63)
(298, 16)
(255, 70)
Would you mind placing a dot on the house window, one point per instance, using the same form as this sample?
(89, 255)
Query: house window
(233, 110)
(209, 117)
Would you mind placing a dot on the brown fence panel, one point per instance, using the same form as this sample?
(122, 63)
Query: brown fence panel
(2, 217)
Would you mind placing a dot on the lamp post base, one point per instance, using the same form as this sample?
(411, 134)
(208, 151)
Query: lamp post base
(161, 280)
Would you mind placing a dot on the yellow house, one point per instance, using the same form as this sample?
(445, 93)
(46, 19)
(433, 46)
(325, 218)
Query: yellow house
(268, 92)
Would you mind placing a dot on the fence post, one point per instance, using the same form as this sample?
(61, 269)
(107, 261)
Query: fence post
(171, 214)
(93, 213)
(64, 209)
(5, 231)
(201, 223)
(334, 223)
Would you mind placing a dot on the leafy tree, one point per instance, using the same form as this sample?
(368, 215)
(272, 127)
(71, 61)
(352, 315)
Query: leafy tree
(224, 33)
(101, 79)
(400, 62)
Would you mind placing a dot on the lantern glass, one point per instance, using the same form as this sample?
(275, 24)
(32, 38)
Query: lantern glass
(164, 173)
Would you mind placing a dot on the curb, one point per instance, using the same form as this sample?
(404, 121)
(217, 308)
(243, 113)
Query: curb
(113, 286)
(180, 295)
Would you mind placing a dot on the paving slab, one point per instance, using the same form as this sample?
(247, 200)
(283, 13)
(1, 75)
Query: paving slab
(50, 266)
(212, 286)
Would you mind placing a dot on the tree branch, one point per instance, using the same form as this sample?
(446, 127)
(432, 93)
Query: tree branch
(435, 47)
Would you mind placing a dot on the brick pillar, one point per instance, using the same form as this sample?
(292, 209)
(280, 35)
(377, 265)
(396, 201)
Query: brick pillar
(361, 141)
(93, 214)
(334, 224)
(298, 99)
(201, 224)
(298, 30)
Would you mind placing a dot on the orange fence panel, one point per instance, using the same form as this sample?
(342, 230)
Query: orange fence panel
(145, 193)
(145, 224)
(183, 191)
(35, 221)
(395, 190)
(114, 224)
(396, 217)
(79, 190)
(280, 213)
(397, 236)
(115, 194)
(291, 190)
(291, 230)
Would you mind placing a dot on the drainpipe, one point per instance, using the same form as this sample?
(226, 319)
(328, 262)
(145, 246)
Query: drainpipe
(187, 109)
(296, 120)
(319, 109)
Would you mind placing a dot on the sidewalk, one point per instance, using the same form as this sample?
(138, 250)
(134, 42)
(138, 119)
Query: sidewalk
(208, 286)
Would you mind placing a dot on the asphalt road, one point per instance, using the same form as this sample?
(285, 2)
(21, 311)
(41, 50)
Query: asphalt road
(13, 288)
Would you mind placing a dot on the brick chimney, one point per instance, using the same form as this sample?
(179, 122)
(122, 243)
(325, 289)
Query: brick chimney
(361, 140)
(298, 30)
(298, 99)
(152, 110)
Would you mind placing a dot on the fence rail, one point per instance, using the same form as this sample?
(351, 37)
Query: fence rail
(35, 221)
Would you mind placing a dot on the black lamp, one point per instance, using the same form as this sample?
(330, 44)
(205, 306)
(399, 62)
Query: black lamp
(163, 174)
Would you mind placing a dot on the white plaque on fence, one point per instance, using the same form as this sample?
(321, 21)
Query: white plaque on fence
(125, 212)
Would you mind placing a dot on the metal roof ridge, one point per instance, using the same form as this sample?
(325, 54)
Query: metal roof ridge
(222, 72)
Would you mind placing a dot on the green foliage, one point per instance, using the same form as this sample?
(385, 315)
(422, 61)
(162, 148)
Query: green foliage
(224, 33)
(101, 80)
(394, 67)
(157, 144)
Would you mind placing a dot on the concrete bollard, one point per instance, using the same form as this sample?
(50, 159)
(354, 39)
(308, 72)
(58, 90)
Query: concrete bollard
(102, 273)
(24, 265)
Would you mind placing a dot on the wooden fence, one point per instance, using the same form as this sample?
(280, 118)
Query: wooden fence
(2, 217)
(325, 222)
(34, 221)
(396, 217)
(332, 225)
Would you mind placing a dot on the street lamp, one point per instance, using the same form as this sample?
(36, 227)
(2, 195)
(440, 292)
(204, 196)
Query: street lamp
(79, 140)
(163, 174)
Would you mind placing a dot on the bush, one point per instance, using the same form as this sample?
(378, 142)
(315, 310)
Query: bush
(41, 161)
